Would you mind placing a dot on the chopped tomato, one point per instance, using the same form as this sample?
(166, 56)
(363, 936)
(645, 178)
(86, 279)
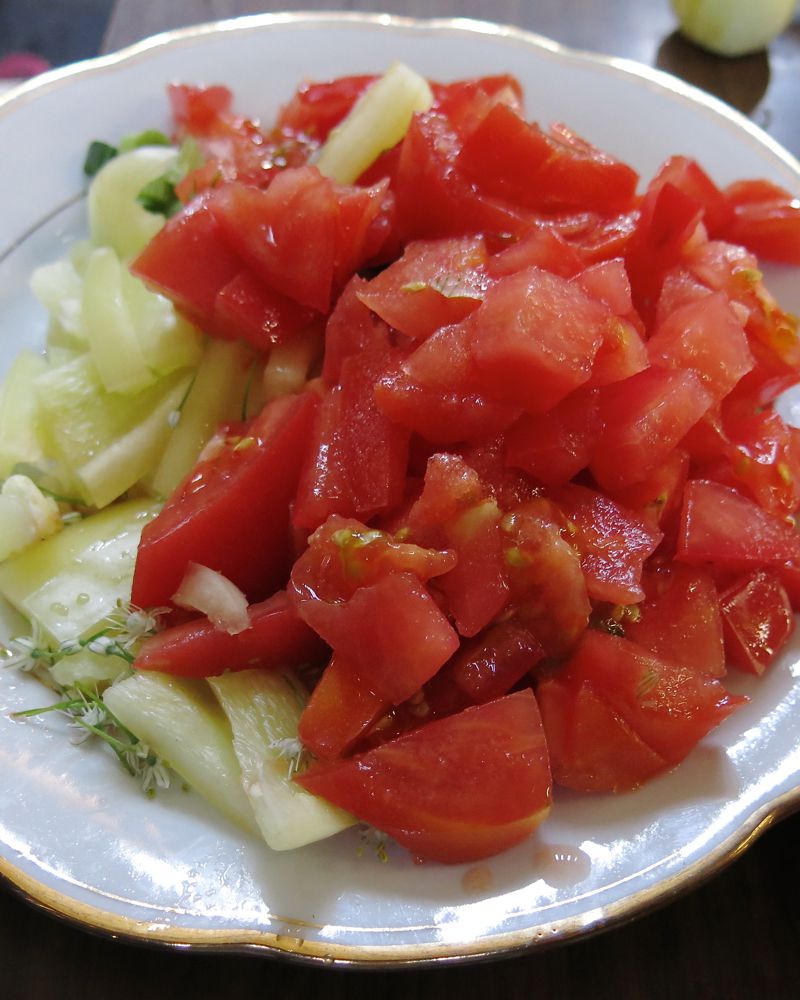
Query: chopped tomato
(455, 790)
(679, 619)
(720, 526)
(276, 639)
(534, 339)
(757, 620)
(765, 219)
(668, 706)
(613, 543)
(231, 513)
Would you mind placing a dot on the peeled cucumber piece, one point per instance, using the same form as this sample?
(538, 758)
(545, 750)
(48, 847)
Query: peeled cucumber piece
(183, 722)
(215, 396)
(113, 343)
(26, 515)
(263, 708)
(378, 121)
(116, 219)
(90, 670)
(106, 441)
(19, 441)
(70, 582)
(59, 287)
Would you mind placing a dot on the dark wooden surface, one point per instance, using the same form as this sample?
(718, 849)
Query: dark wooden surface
(735, 938)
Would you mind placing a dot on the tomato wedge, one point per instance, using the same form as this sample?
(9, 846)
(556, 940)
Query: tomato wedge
(456, 790)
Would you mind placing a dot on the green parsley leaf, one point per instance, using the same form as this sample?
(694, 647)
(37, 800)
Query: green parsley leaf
(97, 155)
(159, 196)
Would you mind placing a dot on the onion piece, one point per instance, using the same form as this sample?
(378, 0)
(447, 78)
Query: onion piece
(733, 27)
(205, 590)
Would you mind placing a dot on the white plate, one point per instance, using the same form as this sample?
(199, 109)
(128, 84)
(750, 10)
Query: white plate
(75, 833)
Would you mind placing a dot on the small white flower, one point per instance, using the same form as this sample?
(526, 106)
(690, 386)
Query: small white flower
(69, 647)
(27, 652)
(290, 748)
(134, 623)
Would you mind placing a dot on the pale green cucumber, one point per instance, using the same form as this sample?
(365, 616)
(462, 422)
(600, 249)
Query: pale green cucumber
(19, 441)
(79, 422)
(70, 582)
(215, 396)
(119, 466)
(110, 329)
(167, 340)
(263, 708)
(378, 121)
(116, 219)
(59, 287)
(182, 721)
(90, 670)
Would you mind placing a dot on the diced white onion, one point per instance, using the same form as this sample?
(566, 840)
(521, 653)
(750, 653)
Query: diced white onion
(205, 590)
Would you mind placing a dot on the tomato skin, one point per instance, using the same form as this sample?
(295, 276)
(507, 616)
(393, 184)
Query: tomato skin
(231, 511)
(247, 308)
(391, 631)
(644, 418)
(535, 372)
(405, 295)
(341, 708)
(484, 668)
(669, 706)
(554, 446)
(456, 790)
(357, 462)
(286, 234)
(689, 177)
(720, 526)
(706, 337)
(190, 262)
(765, 219)
(680, 619)
(462, 519)
(592, 748)
(276, 639)
(757, 620)
(435, 392)
(613, 543)
(316, 108)
(433, 199)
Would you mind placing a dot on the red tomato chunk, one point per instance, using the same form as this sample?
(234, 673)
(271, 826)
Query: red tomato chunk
(540, 468)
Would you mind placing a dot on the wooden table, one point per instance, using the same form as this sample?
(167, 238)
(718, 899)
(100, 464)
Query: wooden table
(738, 936)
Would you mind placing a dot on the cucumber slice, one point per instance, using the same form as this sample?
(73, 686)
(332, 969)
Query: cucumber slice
(88, 669)
(378, 121)
(116, 219)
(215, 396)
(71, 581)
(263, 708)
(182, 721)
(113, 343)
(19, 441)
(106, 441)
(59, 287)
(167, 340)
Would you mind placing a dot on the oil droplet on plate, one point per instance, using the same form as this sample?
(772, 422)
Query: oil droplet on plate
(561, 865)
(477, 879)
(59, 609)
(82, 599)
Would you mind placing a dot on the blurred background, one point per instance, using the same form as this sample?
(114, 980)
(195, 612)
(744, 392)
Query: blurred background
(57, 31)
